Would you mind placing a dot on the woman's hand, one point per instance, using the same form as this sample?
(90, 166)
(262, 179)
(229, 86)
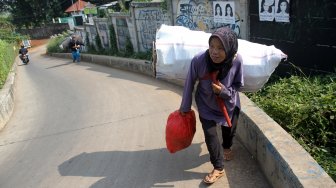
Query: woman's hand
(182, 113)
(217, 88)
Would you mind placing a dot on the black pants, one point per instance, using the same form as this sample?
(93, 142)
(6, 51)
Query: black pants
(214, 145)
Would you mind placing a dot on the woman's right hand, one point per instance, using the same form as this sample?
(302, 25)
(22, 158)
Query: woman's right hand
(182, 113)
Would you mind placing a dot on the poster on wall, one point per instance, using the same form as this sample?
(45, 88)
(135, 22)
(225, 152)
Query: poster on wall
(224, 12)
(282, 10)
(266, 10)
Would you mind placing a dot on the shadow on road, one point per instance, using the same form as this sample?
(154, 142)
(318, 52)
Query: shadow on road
(60, 65)
(147, 168)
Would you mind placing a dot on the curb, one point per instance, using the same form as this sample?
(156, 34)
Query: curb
(7, 97)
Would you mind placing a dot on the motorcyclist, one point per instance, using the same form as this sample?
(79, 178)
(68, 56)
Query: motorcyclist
(74, 45)
(23, 51)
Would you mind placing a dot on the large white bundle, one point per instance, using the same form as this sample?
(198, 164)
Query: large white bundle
(177, 45)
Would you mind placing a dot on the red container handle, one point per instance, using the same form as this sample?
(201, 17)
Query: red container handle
(220, 101)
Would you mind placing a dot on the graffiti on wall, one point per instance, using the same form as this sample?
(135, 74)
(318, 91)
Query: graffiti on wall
(122, 32)
(102, 29)
(148, 21)
(90, 35)
(198, 15)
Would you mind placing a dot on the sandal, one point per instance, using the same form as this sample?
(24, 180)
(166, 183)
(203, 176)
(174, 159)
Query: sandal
(228, 155)
(213, 176)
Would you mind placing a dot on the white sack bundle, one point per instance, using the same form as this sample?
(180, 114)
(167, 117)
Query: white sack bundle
(177, 45)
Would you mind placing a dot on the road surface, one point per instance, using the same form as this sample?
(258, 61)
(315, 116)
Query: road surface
(85, 125)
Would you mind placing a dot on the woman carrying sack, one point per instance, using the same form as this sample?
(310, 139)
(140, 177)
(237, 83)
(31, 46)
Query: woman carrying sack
(222, 63)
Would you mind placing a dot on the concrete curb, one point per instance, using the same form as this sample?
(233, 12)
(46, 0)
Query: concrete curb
(7, 97)
(134, 65)
(282, 159)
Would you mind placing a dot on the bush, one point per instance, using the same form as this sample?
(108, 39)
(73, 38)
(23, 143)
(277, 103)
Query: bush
(306, 109)
(7, 56)
(54, 44)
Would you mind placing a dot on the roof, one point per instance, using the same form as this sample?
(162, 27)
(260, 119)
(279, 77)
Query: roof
(78, 6)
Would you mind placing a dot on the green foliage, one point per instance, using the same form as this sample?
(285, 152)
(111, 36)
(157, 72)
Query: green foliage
(113, 41)
(164, 5)
(305, 108)
(7, 31)
(101, 13)
(99, 44)
(90, 47)
(7, 56)
(143, 55)
(54, 44)
(34, 13)
(129, 46)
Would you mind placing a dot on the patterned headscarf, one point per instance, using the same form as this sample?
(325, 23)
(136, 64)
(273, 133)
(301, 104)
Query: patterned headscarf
(230, 43)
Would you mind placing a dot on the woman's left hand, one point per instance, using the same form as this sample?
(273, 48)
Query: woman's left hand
(217, 88)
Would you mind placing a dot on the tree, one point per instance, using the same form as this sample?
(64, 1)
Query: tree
(32, 13)
(4, 5)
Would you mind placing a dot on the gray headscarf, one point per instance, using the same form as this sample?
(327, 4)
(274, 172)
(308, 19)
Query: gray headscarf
(230, 43)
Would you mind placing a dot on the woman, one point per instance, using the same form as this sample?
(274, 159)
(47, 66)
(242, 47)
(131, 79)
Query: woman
(220, 58)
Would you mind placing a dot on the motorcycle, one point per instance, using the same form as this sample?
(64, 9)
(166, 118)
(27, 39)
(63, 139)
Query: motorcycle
(25, 59)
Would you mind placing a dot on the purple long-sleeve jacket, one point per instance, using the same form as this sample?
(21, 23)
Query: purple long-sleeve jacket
(205, 98)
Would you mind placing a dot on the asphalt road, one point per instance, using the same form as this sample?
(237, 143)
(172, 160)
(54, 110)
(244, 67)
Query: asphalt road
(85, 125)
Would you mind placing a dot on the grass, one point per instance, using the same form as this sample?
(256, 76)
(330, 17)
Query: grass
(7, 56)
(306, 108)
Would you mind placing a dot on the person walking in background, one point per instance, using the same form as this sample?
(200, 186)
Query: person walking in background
(75, 45)
(220, 58)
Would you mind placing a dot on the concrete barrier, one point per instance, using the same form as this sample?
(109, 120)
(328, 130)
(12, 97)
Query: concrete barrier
(7, 97)
(282, 159)
(134, 65)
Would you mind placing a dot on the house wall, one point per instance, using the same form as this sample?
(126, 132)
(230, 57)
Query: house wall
(144, 19)
(124, 28)
(102, 28)
(309, 39)
(198, 15)
(148, 18)
(46, 31)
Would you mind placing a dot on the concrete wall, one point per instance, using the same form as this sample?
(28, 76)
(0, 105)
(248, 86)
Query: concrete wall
(282, 159)
(198, 15)
(45, 32)
(7, 97)
(148, 18)
(144, 19)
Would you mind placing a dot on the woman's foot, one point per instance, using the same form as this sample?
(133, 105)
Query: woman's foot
(213, 176)
(228, 154)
